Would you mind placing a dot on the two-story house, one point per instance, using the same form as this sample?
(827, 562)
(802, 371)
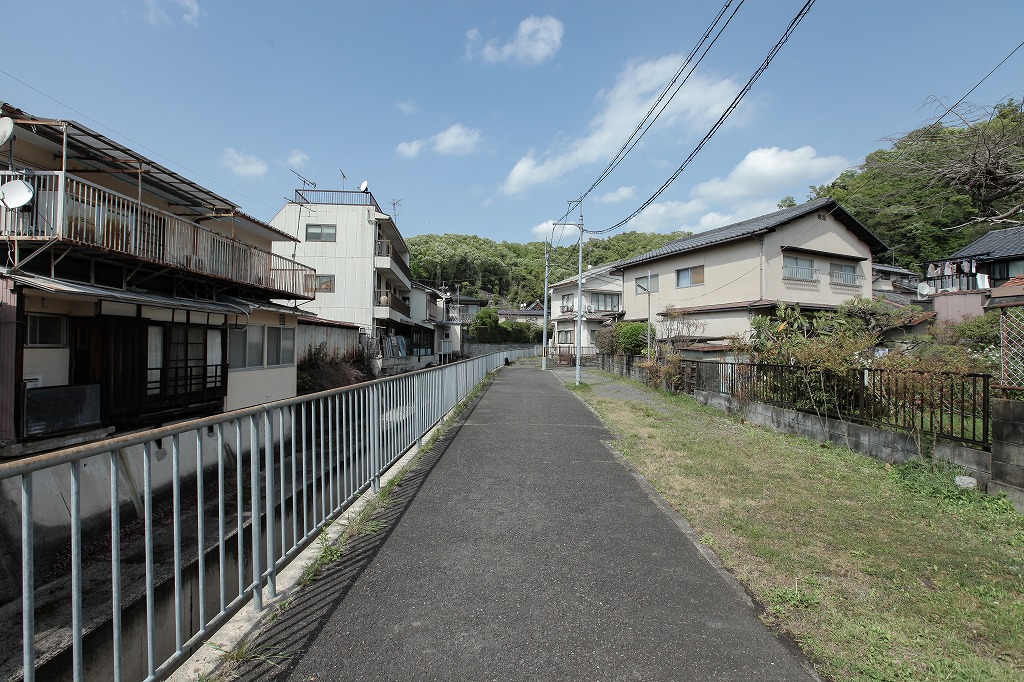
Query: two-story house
(601, 304)
(130, 296)
(362, 268)
(706, 288)
(960, 285)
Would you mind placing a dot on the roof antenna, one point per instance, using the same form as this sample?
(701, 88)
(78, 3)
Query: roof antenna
(305, 181)
(343, 179)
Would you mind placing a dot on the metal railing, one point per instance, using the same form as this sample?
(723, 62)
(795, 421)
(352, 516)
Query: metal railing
(953, 407)
(850, 279)
(69, 208)
(385, 249)
(336, 197)
(227, 501)
(800, 273)
(390, 299)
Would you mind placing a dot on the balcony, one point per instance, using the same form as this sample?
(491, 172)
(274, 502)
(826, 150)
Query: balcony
(69, 209)
(434, 311)
(389, 299)
(387, 258)
(846, 279)
(800, 273)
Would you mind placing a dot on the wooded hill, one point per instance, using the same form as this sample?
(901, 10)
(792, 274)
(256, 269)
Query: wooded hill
(933, 191)
(514, 273)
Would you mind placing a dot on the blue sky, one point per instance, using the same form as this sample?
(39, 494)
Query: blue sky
(486, 118)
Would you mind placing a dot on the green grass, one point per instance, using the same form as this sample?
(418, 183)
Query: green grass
(878, 572)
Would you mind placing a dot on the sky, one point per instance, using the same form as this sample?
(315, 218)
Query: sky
(488, 118)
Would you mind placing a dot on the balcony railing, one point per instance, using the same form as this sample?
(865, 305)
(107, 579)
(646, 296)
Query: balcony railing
(335, 197)
(389, 299)
(70, 209)
(849, 279)
(385, 249)
(805, 274)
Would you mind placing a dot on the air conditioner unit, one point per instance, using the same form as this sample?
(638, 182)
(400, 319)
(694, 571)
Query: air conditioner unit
(590, 308)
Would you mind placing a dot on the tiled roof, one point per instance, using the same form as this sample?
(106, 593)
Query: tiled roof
(592, 272)
(1015, 281)
(995, 245)
(754, 226)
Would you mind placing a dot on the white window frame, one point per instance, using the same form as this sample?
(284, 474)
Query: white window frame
(246, 346)
(795, 267)
(565, 337)
(643, 287)
(280, 346)
(316, 232)
(689, 275)
(844, 274)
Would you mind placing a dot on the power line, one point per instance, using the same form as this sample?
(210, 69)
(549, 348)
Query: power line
(640, 129)
(721, 120)
(899, 151)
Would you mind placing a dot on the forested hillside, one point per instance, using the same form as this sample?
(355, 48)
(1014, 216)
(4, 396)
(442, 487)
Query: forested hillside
(931, 192)
(511, 271)
(938, 188)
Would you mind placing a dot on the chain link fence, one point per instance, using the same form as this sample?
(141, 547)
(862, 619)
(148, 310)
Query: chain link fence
(1012, 337)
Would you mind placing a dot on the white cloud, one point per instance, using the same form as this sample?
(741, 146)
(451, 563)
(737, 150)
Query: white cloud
(537, 40)
(408, 107)
(542, 231)
(244, 165)
(297, 158)
(457, 140)
(624, 105)
(772, 171)
(409, 149)
(157, 15)
(621, 194)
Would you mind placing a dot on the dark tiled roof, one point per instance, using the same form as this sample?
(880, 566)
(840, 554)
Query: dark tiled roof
(754, 226)
(995, 245)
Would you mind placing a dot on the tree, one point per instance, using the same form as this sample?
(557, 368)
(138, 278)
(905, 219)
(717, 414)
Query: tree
(485, 328)
(631, 338)
(786, 202)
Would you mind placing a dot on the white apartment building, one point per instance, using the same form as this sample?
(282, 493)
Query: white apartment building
(362, 268)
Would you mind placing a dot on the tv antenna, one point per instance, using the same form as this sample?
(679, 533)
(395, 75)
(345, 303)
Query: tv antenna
(343, 178)
(306, 182)
(395, 203)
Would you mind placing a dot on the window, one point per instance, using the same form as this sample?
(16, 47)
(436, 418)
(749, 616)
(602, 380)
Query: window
(843, 273)
(280, 346)
(565, 336)
(798, 268)
(643, 287)
(567, 302)
(605, 302)
(324, 284)
(321, 233)
(183, 359)
(688, 277)
(47, 330)
(246, 347)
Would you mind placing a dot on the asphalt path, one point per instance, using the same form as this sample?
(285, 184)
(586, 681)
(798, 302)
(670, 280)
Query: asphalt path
(526, 549)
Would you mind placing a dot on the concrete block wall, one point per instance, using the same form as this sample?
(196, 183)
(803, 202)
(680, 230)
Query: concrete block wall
(1008, 449)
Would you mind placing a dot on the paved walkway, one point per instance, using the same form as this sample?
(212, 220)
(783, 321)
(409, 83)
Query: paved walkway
(524, 549)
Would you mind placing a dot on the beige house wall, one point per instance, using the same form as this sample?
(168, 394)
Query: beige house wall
(751, 269)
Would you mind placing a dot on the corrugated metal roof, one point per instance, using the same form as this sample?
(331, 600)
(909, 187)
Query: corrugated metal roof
(61, 286)
(995, 245)
(754, 226)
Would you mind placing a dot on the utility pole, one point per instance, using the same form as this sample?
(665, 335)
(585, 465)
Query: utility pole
(579, 286)
(544, 350)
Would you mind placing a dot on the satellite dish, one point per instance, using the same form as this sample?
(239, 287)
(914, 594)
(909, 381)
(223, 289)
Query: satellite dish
(924, 290)
(16, 193)
(364, 186)
(6, 129)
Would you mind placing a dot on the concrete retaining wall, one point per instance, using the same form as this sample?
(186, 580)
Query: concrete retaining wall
(1008, 449)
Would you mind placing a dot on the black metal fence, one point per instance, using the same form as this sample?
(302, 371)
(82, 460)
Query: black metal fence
(948, 406)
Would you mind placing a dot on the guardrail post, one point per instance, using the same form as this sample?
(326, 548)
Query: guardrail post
(375, 427)
(255, 516)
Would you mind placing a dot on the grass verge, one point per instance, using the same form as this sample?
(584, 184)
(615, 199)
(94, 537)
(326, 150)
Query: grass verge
(878, 572)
